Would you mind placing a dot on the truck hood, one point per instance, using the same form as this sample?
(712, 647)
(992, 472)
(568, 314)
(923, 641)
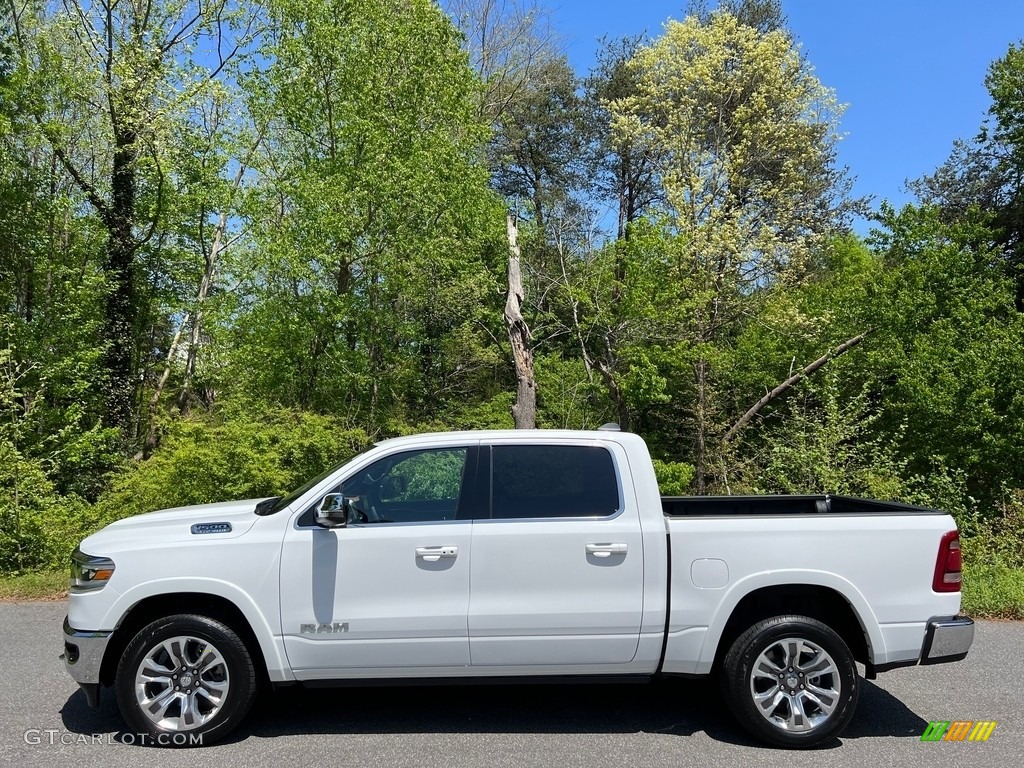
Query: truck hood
(201, 522)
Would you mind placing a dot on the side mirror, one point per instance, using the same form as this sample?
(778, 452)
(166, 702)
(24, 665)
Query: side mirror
(333, 511)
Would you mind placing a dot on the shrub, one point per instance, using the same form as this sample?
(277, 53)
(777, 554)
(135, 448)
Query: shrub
(674, 478)
(233, 455)
(38, 527)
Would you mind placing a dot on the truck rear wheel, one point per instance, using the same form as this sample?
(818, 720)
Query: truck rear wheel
(185, 680)
(791, 681)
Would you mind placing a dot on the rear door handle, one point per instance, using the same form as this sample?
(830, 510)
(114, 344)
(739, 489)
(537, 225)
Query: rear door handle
(606, 550)
(433, 554)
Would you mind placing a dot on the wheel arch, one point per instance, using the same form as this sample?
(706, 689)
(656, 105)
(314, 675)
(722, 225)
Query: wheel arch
(158, 606)
(811, 598)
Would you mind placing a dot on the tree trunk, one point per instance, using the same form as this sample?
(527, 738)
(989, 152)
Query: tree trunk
(608, 366)
(615, 393)
(205, 283)
(120, 306)
(119, 268)
(149, 445)
(212, 258)
(525, 409)
(701, 428)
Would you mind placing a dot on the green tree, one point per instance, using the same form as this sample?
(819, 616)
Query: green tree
(207, 188)
(929, 397)
(625, 172)
(366, 292)
(985, 176)
(950, 361)
(745, 138)
(762, 15)
(51, 288)
(537, 150)
(109, 81)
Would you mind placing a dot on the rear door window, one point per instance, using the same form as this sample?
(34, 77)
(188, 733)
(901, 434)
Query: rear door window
(547, 481)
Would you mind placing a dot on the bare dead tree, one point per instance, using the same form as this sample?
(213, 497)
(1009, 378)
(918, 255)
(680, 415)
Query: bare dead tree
(525, 409)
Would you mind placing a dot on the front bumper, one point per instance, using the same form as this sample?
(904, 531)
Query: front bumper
(947, 638)
(83, 657)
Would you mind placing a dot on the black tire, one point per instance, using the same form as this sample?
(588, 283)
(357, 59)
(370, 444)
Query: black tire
(791, 681)
(185, 681)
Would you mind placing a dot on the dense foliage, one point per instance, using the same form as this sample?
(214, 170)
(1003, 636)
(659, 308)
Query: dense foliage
(240, 240)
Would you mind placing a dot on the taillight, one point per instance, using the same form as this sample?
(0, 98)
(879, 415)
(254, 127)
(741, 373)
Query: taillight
(948, 565)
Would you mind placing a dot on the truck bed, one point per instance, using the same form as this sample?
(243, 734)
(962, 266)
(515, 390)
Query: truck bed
(878, 558)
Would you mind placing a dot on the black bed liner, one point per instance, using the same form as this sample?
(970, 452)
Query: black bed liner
(730, 506)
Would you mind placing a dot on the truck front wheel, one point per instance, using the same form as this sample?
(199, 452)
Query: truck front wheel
(185, 680)
(791, 681)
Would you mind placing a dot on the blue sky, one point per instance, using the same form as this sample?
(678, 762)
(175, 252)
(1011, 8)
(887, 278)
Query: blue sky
(911, 72)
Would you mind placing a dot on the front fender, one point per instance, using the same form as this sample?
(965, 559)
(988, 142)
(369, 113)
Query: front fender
(261, 626)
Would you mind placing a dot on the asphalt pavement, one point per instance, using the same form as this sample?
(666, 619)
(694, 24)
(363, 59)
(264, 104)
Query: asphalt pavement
(44, 720)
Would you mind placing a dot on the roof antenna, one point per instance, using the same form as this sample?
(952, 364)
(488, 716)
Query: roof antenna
(611, 426)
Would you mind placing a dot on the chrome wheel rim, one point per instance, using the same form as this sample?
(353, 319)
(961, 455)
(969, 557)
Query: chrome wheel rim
(182, 683)
(795, 685)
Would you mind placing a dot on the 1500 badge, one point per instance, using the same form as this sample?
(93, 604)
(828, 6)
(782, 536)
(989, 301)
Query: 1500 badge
(211, 528)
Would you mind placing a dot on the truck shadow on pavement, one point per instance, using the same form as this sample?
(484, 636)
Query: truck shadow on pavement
(676, 707)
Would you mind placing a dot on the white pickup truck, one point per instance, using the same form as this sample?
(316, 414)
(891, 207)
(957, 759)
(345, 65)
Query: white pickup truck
(511, 554)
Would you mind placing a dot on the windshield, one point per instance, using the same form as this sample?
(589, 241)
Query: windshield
(277, 503)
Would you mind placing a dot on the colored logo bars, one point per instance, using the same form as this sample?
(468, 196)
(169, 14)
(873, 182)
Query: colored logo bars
(959, 730)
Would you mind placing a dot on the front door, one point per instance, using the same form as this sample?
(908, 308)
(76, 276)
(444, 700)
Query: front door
(388, 593)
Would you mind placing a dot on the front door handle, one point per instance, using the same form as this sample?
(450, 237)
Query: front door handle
(606, 550)
(433, 554)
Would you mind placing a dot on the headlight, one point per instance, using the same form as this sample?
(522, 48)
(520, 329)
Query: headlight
(89, 573)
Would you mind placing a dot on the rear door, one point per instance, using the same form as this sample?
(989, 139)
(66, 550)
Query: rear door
(557, 570)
